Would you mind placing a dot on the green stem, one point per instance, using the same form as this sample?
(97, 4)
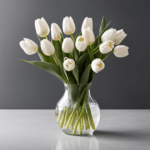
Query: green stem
(55, 59)
(67, 115)
(82, 111)
(63, 118)
(72, 37)
(90, 53)
(95, 51)
(74, 110)
(70, 55)
(90, 118)
(59, 116)
(72, 122)
(46, 37)
(95, 48)
(86, 121)
(107, 55)
(82, 122)
(79, 126)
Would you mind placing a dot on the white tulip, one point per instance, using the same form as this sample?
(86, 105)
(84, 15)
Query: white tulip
(88, 34)
(106, 47)
(67, 45)
(88, 22)
(119, 37)
(68, 26)
(29, 46)
(81, 43)
(69, 64)
(109, 34)
(97, 65)
(47, 47)
(121, 51)
(55, 32)
(42, 28)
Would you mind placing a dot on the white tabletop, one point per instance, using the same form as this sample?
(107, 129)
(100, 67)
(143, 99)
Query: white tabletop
(38, 130)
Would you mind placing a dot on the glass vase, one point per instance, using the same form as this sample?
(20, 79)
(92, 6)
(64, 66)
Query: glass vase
(77, 113)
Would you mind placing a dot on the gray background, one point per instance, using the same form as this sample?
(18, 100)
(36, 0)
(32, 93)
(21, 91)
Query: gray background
(124, 83)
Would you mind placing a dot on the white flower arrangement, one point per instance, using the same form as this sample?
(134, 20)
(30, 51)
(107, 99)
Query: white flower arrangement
(74, 59)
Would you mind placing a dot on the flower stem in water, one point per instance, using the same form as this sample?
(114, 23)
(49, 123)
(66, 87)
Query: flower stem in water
(63, 118)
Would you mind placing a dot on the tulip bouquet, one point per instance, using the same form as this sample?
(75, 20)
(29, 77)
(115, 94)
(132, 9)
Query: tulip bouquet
(75, 60)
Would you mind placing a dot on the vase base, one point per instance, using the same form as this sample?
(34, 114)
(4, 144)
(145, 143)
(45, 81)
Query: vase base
(84, 132)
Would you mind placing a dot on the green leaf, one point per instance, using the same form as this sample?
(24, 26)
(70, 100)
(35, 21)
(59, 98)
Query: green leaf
(85, 75)
(59, 56)
(51, 68)
(75, 51)
(73, 90)
(58, 52)
(45, 58)
(91, 77)
(102, 30)
(95, 44)
(88, 61)
(98, 54)
(102, 26)
(40, 39)
(62, 38)
(71, 77)
(106, 27)
(81, 62)
(76, 73)
(80, 34)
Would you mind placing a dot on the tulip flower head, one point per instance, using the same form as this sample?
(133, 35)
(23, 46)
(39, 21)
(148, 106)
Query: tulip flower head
(42, 28)
(88, 22)
(121, 51)
(69, 64)
(97, 65)
(120, 36)
(68, 26)
(55, 32)
(106, 47)
(81, 43)
(88, 34)
(109, 34)
(47, 47)
(29, 46)
(67, 45)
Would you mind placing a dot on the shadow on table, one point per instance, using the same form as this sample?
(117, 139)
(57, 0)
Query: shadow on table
(130, 135)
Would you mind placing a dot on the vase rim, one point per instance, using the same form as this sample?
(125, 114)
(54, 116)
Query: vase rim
(78, 84)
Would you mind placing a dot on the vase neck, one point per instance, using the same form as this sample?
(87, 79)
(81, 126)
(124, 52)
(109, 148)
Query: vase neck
(77, 86)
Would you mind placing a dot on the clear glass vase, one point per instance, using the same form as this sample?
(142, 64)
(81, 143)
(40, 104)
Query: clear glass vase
(77, 113)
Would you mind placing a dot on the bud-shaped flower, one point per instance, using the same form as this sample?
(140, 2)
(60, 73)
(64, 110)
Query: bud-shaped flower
(29, 46)
(69, 64)
(119, 37)
(47, 47)
(121, 51)
(97, 65)
(42, 28)
(81, 43)
(88, 34)
(67, 45)
(88, 22)
(106, 47)
(109, 34)
(68, 26)
(55, 32)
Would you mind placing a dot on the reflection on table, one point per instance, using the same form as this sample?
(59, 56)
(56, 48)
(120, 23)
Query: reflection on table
(68, 142)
